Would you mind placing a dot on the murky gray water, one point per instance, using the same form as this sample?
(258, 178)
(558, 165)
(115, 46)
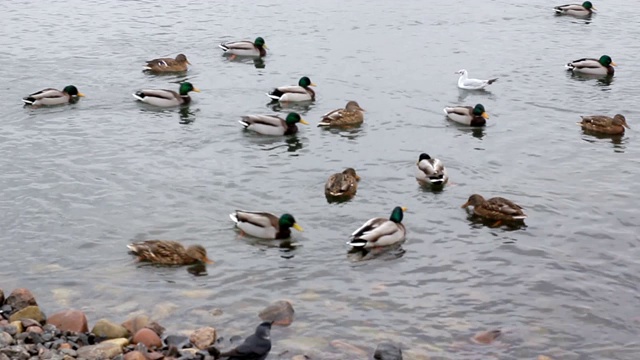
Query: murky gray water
(80, 182)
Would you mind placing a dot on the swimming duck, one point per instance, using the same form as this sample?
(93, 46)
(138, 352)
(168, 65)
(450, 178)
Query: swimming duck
(472, 84)
(604, 124)
(264, 225)
(585, 9)
(166, 98)
(160, 65)
(467, 115)
(344, 184)
(294, 93)
(496, 208)
(589, 66)
(245, 48)
(431, 171)
(272, 124)
(380, 231)
(352, 114)
(169, 252)
(49, 96)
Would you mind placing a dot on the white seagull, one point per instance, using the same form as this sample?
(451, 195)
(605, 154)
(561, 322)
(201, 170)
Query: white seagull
(472, 84)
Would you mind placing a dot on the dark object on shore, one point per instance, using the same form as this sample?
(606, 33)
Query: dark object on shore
(255, 347)
(387, 351)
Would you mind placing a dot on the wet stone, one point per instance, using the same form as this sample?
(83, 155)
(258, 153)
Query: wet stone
(20, 299)
(280, 313)
(176, 340)
(29, 312)
(203, 337)
(387, 351)
(69, 320)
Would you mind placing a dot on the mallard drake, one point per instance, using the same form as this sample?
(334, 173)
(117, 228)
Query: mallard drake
(245, 48)
(604, 124)
(344, 184)
(472, 84)
(294, 93)
(178, 64)
(169, 252)
(272, 124)
(585, 9)
(496, 208)
(467, 115)
(166, 98)
(431, 171)
(264, 225)
(589, 66)
(380, 231)
(352, 114)
(49, 96)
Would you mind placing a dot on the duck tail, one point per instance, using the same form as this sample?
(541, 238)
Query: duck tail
(491, 81)
(132, 248)
(520, 217)
(246, 125)
(223, 47)
(357, 242)
(138, 95)
(233, 217)
(29, 100)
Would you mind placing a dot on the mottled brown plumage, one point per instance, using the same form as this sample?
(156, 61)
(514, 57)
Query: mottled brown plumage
(160, 65)
(496, 208)
(351, 115)
(169, 252)
(604, 124)
(344, 184)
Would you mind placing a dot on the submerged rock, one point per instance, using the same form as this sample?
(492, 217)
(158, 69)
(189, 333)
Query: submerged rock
(486, 337)
(30, 312)
(136, 323)
(279, 313)
(387, 351)
(107, 329)
(69, 320)
(203, 337)
(20, 299)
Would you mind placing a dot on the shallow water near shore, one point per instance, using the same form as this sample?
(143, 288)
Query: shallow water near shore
(80, 182)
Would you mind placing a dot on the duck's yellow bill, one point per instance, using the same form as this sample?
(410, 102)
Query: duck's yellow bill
(312, 84)
(465, 205)
(613, 64)
(485, 115)
(265, 46)
(196, 89)
(188, 62)
(404, 208)
(302, 121)
(298, 227)
(208, 261)
(80, 94)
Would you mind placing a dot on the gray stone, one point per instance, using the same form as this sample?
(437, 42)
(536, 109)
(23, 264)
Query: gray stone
(279, 313)
(107, 329)
(5, 339)
(100, 351)
(69, 352)
(15, 353)
(388, 351)
(176, 340)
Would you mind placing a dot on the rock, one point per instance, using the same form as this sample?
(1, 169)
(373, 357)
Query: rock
(106, 329)
(69, 320)
(346, 347)
(18, 326)
(35, 329)
(148, 337)
(122, 342)
(543, 357)
(486, 337)
(280, 313)
(69, 352)
(29, 322)
(134, 355)
(387, 351)
(29, 312)
(20, 299)
(203, 337)
(104, 350)
(5, 339)
(6, 310)
(4, 357)
(300, 357)
(136, 323)
(154, 355)
(64, 346)
(15, 352)
(157, 328)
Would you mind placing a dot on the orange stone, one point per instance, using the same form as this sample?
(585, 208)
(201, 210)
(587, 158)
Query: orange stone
(148, 337)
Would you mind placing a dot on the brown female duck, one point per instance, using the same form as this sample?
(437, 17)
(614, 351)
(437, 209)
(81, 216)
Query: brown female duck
(342, 185)
(169, 252)
(604, 124)
(496, 208)
(351, 115)
(161, 65)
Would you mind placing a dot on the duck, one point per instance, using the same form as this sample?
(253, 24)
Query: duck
(166, 98)
(585, 9)
(467, 115)
(265, 225)
(273, 124)
(351, 115)
(431, 171)
(169, 252)
(496, 208)
(378, 232)
(294, 93)
(472, 84)
(49, 96)
(604, 124)
(164, 65)
(342, 185)
(589, 66)
(245, 48)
